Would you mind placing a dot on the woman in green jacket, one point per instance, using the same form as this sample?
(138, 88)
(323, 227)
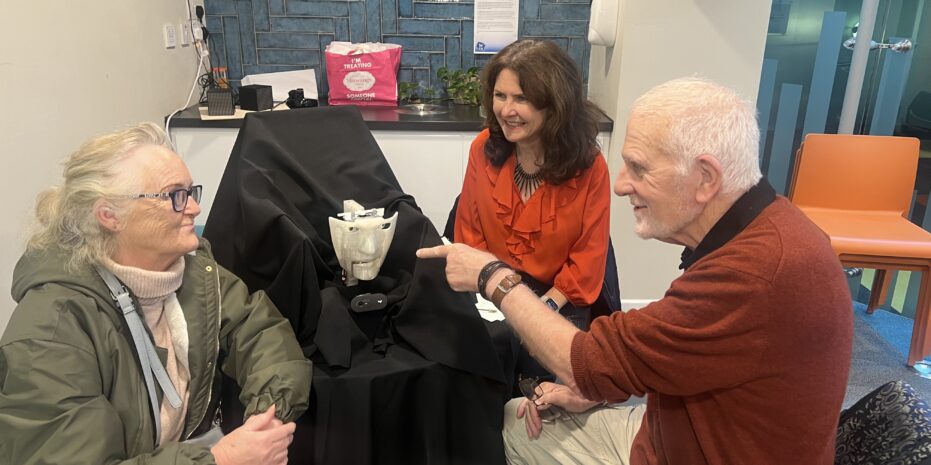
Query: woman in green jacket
(86, 377)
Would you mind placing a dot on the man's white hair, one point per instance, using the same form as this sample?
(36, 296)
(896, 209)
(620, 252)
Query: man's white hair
(696, 117)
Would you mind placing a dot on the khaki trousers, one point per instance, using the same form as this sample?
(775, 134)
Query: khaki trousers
(605, 437)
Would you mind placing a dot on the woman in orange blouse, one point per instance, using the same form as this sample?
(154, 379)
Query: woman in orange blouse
(536, 192)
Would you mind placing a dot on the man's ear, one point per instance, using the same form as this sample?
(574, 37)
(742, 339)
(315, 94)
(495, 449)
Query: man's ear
(106, 216)
(709, 168)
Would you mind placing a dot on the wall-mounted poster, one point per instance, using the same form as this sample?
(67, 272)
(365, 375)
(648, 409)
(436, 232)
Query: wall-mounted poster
(495, 25)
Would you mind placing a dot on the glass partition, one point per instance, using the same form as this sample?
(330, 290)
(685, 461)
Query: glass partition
(803, 82)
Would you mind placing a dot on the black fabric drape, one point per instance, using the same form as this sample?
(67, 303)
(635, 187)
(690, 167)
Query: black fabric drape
(416, 382)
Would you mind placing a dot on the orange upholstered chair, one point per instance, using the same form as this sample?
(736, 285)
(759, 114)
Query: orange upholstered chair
(858, 189)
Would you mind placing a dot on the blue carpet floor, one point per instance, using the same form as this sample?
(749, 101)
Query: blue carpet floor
(880, 348)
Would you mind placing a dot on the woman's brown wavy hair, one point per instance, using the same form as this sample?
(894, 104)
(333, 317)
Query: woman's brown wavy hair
(551, 81)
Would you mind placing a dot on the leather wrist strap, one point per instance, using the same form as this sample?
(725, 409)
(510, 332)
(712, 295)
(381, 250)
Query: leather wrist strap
(504, 286)
(485, 275)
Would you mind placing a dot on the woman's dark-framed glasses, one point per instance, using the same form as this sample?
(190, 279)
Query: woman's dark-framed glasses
(178, 197)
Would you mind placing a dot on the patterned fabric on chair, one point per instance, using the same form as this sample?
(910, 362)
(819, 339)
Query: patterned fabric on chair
(890, 425)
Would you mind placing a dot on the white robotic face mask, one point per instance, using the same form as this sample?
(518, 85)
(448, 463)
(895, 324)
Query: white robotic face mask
(361, 240)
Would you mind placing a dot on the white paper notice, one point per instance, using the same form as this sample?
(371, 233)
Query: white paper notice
(495, 24)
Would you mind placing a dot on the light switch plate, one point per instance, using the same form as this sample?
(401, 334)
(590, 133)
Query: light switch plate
(186, 34)
(170, 34)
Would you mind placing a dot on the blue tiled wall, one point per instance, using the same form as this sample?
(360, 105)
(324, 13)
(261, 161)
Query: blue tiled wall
(261, 36)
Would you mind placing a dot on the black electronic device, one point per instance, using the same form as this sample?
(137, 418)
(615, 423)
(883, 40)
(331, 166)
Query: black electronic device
(220, 102)
(368, 302)
(255, 97)
(296, 99)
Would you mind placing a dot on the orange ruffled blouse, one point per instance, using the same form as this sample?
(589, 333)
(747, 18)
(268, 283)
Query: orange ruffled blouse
(559, 236)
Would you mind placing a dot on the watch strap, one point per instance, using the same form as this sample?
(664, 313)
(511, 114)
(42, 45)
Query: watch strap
(504, 286)
(485, 274)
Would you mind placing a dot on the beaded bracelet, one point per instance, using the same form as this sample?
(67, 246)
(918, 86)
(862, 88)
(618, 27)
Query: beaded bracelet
(485, 275)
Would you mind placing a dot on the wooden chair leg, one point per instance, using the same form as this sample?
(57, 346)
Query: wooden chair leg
(921, 333)
(879, 290)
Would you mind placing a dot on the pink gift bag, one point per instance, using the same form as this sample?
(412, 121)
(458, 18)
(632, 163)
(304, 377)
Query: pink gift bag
(363, 74)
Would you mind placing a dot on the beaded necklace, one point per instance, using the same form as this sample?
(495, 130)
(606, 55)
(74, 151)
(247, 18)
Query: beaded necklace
(527, 184)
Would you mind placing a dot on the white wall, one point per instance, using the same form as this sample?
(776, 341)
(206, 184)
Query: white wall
(69, 70)
(660, 40)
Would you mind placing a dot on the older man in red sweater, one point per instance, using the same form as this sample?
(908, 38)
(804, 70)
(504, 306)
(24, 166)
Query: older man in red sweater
(743, 361)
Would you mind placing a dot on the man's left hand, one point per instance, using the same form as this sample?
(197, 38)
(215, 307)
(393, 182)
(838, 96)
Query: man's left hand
(463, 263)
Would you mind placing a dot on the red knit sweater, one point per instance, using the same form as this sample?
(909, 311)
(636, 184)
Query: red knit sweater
(745, 359)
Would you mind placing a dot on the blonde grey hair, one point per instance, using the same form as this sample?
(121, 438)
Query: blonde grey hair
(702, 117)
(65, 214)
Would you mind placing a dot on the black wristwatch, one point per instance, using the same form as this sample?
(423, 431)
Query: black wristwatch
(550, 303)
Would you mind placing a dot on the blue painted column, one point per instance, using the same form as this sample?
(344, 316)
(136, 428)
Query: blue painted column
(784, 136)
(822, 78)
(764, 101)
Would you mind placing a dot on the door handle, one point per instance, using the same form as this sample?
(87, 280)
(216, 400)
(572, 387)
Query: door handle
(901, 46)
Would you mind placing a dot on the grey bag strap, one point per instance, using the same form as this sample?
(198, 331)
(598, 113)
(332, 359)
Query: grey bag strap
(148, 358)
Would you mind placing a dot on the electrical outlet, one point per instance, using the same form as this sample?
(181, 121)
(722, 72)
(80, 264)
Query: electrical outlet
(186, 34)
(170, 34)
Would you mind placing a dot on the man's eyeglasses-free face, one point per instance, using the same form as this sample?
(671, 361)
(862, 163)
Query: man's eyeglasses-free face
(178, 196)
(531, 389)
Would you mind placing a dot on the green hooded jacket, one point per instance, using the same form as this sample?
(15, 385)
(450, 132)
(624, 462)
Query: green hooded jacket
(72, 392)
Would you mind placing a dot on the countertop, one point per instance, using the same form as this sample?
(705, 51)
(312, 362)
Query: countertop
(463, 118)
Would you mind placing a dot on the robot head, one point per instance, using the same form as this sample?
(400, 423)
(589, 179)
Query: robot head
(361, 239)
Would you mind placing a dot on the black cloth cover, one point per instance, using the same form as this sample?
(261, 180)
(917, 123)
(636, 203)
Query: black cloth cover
(417, 382)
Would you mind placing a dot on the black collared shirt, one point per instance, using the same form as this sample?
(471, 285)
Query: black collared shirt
(741, 214)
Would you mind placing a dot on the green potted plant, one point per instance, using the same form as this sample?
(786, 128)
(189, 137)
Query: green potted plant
(414, 98)
(414, 92)
(408, 92)
(462, 86)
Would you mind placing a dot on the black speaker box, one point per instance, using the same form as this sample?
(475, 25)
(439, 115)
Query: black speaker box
(220, 102)
(255, 97)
